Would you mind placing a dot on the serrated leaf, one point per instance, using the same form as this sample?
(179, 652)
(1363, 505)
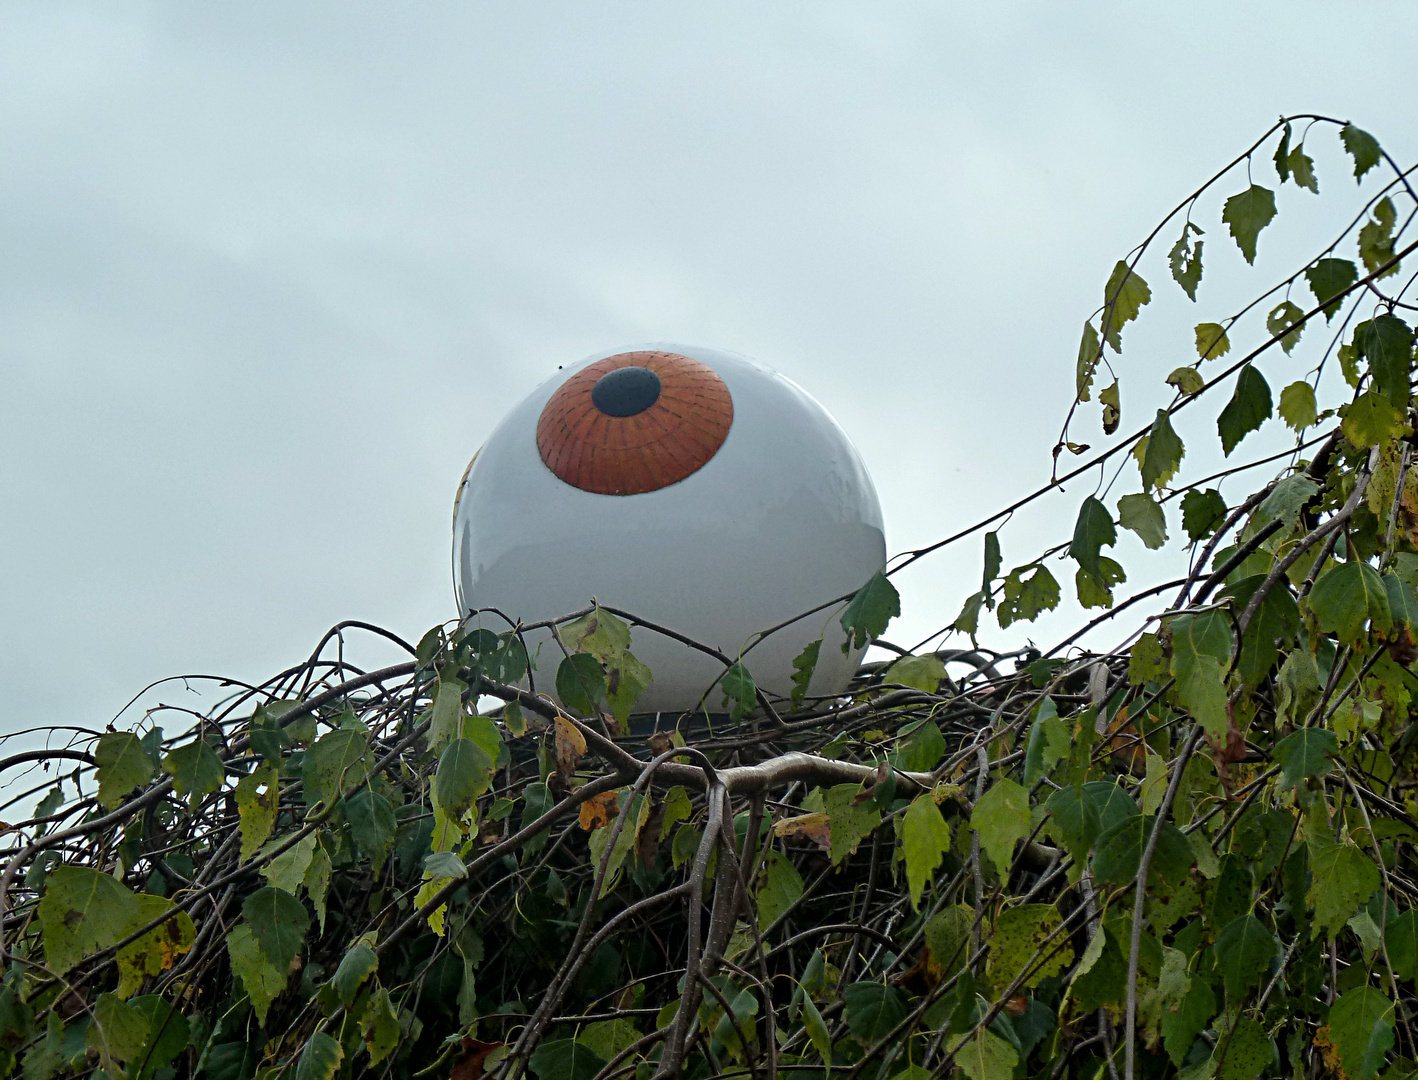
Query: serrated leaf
(287, 870)
(739, 687)
(1304, 753)
(1362, 147)
(1186, 379)
(119, 1031)
(358, 964)
(1247, 213)
(257, 799)
(925, 838)
(581, 683)
(1284, 322)
(1275, 623)
(444, 864)
(464, 773)
(262, 980)
(803, 666)
(1244, 1053)
(1164, 453)
(1143, 515)
(867, 614)
(1147, 662)
(1096, 592)
(626, 681)
(158, 949)
(1361, 1028)
(779, 887)
(1025, 598)
(372, 824)
(1001, 818)
(1091, 532)
(279, 922)
(195, 769)
(985, 1056)
(83, 911)
(849, 821)
(1211, 341)
(335, 763)
(1346, 597)
(320, 1059)
(1201, 690)
(600, 633)
(1124, 296)
(380, 1026)
(1017, 934)
(1298, 407)
(447, 712)
(1185, 261)
(922, 673)
(1376, 238)
(1386, 342)
(1088, 357)
(1342, 879)
(1249, 407)
(123, 766)
(1112, 408)
(873, 1010)
(1328, 278)
(1244, 951)
(1202, 513)
(1371, 420)
(1118, 853)
(564, 1059)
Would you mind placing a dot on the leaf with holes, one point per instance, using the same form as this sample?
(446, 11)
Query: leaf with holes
(1284, 322)
(1184, 260)
(1025, 598)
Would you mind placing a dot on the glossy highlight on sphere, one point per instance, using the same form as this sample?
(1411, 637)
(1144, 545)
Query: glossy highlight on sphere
(631, 440)
(779, 516)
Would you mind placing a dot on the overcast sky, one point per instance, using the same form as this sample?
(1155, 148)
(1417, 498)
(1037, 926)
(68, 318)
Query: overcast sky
(270, 272)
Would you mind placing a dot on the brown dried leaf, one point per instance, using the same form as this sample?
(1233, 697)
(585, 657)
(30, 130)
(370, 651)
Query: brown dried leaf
(814, 827)
(468, 1059)
(599, 810)
(570, 747)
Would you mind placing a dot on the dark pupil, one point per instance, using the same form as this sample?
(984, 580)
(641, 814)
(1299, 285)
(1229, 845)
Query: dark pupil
(626, 391)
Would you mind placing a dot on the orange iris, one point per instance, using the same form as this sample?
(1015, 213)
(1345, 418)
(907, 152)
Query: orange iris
(634, 422)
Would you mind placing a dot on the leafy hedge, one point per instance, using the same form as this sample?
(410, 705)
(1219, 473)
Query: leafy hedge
(1192, 853)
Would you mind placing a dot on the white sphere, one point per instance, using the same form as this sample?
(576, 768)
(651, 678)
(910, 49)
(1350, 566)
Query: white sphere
(780, 518)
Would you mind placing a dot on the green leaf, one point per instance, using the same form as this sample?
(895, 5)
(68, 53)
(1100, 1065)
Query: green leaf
(1147, 662)
(1211, 341)
(1180, 1028)
(1119, 852)
(195, 769)
(921, 749)
(169, 1034)
(1402, 600)
(1143, 515)
(119, 1031)
(1202, 513)
(1247, 213)
(849, 822)
(1078, 815)
(1303, 753)
(380, 1026)
(804, 664)
(335, 763)
(1001, 818)
(968, 621)
(83, 911)
(1297, 406)
(447, 718)
(816, 1028)
(1361, 1029)
(1371, 420)
(287, 870)
(372, 824)
(279, 922)
(1088, 357)
(159, 948)
(1098, 591)
(1185, 261)
(1343, 878)
(1093, 531)
(358, 965)
(565, 1059)
(1386, 342)
(600, 633)
(985, 1056)
(320, 1059)
(1248, 408)
(1276, 621)
(1049, 743)
(1245, 1053)
(1328, 278)
(257, 795)
(1298, 686)
(1284, 322)
(625, 682)
(1112, 408)
(262, 980)
(875, 604)
(1024, 599)
(1186, 379)
(873, 1011)
(1123, 297)
(1362, 147)
(738, 686)
(444, 864)
(948, 937)
(1164, 453)
(1201, 650)
(1017, 934)
(1376, 239)
(925, 838)
(1302, 166)
(123, 766)
(581, 683)
(464, 773)
(1346, 597)
(1282, 155)
(1244, 952)
(779, 888)
(922, 673)
(1401, 942)
(992, 561)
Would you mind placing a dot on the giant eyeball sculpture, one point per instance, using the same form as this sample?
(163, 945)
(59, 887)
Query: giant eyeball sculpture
(688, 486)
